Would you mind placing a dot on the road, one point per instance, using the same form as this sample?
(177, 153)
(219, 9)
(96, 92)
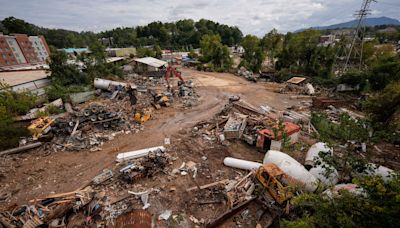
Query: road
(33, 175)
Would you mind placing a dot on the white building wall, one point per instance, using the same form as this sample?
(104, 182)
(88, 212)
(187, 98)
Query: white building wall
(15, 49)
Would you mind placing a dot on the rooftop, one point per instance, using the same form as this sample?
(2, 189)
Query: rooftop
(78, 50)
(151, 62)
(19, 77)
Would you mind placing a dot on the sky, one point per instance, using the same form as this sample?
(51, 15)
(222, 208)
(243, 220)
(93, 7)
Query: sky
(252, 17)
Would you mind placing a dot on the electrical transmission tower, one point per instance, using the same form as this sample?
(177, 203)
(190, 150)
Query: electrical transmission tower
(355, 53)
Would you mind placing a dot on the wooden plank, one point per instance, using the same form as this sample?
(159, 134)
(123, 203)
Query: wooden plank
(208, 185)
(222, 218)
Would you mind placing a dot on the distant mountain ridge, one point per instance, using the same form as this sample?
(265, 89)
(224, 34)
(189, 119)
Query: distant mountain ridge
(370, 22)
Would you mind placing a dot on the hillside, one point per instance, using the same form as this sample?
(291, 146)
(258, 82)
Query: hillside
(370, 22)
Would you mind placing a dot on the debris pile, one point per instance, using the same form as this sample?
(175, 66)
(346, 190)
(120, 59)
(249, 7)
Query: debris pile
(153, 163)
(89, 128)
(76, 208)
(246, 74)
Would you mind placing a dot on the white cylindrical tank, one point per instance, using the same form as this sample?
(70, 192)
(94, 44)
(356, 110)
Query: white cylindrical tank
(292, 168)
(313, 152)
(241, 164)
(378, 170)
(105, 84)
(320, 173)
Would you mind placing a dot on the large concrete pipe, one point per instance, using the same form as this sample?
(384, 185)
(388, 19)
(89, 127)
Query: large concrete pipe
(292, 168)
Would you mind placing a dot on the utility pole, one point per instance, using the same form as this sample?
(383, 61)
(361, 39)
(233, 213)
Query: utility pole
(358, 36)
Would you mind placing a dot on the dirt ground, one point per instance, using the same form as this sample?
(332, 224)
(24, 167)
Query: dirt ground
(40, 172)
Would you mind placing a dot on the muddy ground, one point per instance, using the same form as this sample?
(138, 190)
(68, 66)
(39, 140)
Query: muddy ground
(40, 172)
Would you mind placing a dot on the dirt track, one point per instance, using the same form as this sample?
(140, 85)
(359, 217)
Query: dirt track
(39, 173)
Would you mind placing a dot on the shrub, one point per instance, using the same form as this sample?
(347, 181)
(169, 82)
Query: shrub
(9, 132)
(380, 207)
(353, 78)
(16, 103)
(384, 107)
(56, 91)
(347, 129)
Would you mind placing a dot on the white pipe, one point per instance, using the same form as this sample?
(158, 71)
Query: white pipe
(137, 153)
(105, 84)
(241, 164)
(292, 168)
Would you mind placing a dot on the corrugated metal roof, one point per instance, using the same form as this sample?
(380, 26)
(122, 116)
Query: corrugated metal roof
(151, 62)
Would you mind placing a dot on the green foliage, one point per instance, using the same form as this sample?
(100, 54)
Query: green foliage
(63, 73)
(158, 52)
(183, 34)
(283, 75)
(384, 107)
(380, 208)
(302, 54)
(15, 25)
(56, 91)
(354, 77)
(254, 55)
(383, 72)
(193, 55)
(347, 129)
(215, 53)
(348, 165)
(272, 43)
(9, 132)
(16, 103)
(12, 104)
(51, 110)
(279, 131)
(145, 52)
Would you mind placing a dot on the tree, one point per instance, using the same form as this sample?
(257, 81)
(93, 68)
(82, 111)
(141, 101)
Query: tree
(15, 25)
(384, 107)
(383, 72)
(214, 52)
(302, 54)
(272, 43)
(11, 105)
(254, 55)
(62, 73)
(158, 52)
(193, 55)
(145, 52)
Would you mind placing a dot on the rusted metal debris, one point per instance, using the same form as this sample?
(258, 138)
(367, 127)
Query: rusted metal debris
(135, 219)
(222, 218)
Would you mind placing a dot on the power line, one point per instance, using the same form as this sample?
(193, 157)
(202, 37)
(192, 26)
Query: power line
(359, 33)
